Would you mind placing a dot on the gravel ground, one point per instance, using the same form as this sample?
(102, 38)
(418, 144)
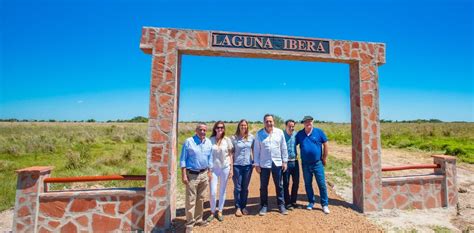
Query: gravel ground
(342, 217)
(458, 218)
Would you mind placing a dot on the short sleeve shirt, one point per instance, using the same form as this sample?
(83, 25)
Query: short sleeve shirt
(220, 153)
(311, 145)
(242, 150)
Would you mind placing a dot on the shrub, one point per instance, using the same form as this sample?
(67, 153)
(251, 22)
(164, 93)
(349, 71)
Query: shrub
(12, 150)
(127, 154)
(455, 151)
(139, 139)
(111, 161)
(73, 160)
(117, 138)
(404, 143)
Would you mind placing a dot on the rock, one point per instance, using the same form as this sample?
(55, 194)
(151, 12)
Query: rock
(462, 190)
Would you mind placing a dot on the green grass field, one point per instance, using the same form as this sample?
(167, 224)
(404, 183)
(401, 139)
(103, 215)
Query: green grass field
(79, 149)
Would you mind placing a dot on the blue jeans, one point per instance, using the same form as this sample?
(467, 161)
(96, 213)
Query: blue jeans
(316, 169)
(277, 173)
(241, 178)
(293, 170)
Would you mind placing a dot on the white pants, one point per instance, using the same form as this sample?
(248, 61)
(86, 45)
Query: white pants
(221, 175)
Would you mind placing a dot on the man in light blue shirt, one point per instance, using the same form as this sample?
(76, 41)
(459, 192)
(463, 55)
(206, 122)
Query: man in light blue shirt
(270, 156)
(196, 164)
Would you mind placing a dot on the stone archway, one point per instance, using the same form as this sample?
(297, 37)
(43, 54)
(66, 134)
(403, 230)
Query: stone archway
(166, 47)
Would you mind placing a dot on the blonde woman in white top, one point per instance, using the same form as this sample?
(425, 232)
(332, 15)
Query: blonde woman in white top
(221, 169)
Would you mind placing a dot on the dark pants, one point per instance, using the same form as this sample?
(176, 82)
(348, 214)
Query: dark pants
(293, 170)
(277, 180)
(241, 178)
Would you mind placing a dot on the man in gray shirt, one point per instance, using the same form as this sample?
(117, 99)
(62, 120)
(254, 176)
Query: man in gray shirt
(271, 156)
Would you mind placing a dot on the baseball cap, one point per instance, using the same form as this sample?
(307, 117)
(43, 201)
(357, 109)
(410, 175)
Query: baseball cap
(305, 118)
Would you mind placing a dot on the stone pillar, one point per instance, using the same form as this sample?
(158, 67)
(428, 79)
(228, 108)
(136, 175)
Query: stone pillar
(29, 185)
(163, 45)
(162, 134)
(366, 162)
(449, 185)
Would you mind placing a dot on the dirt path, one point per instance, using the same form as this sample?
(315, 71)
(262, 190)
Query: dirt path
(342, 217)
(455, 218)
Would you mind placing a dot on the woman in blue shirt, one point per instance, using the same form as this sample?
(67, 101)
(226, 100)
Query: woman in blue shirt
(243, 161)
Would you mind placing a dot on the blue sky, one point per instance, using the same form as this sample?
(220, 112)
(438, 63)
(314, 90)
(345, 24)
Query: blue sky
(76, 60)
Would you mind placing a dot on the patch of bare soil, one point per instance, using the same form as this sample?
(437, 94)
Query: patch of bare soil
(6, 220)
(342, 217)
(459, 218)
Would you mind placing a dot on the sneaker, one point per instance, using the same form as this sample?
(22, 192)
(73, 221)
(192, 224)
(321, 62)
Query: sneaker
(219, 216)
(245, 211)
(283, 210)
(202, 223)
(263, 211)
(326, 210)
(289, 207)
(238, 212)
(310, 206)
(210, 218)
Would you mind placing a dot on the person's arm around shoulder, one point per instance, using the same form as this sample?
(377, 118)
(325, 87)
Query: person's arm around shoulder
(184, 154)
(256, 153)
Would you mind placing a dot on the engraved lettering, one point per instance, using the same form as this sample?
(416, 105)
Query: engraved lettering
(301, 45)
(214, 40)
(311, 46)
(285, 44)
(259, 41)
(320, 47)
(226, 41)
(235, 42)
(268, 44)
(292, 44)
(247, 42)
(243, 41)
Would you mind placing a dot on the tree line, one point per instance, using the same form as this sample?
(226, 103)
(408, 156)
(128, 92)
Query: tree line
(277, 119)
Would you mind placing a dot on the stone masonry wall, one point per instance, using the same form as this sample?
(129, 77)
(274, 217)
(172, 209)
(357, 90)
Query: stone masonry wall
(29, 186)
(416, 192)
(423, 191)
(92, 211)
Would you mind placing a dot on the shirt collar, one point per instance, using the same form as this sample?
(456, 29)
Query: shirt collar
(197, 140)
(286, 133)
(310, 132)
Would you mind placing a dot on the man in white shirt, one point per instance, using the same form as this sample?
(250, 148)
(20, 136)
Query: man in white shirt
(270, 156)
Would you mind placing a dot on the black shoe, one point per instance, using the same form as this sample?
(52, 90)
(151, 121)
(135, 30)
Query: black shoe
(289, 207)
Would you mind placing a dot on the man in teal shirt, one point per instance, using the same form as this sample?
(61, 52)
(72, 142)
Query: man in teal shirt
(293, 169)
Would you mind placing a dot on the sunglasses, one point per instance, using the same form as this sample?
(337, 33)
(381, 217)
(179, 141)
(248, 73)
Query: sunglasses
(220, 127)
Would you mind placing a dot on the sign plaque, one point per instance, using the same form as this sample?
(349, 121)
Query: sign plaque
(242, 41)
